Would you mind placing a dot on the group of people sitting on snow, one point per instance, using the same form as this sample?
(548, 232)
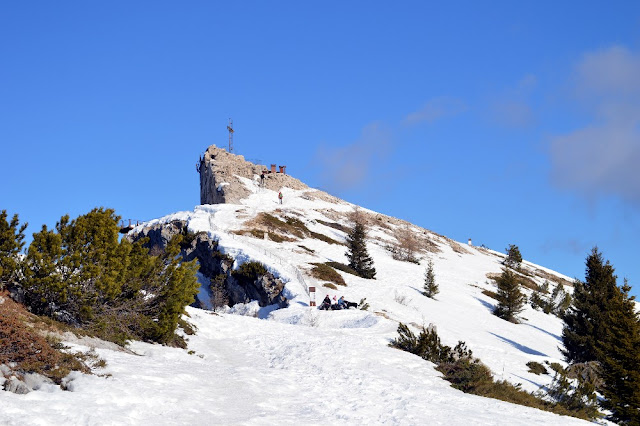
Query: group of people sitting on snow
(336, 305)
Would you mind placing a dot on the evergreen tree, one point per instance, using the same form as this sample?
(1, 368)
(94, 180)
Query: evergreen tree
(620, 364)
(510, 299)
(586, 323)
(78, 268)
(11, 242)
(603, 326)
(514, 258)
(430, 285)
(82, 274)
(357, 254)
(178, 291)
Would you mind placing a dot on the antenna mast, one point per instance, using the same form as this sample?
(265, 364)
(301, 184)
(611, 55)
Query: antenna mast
(230, 129)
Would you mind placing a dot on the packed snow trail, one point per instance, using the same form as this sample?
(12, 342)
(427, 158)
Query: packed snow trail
(249, 371)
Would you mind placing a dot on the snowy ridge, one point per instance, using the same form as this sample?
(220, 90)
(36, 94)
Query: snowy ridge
(303, 366)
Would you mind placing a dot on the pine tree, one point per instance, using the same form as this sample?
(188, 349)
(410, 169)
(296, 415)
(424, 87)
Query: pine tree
(11, 242)
(430, 285)
(510, 299)
(514, 258)
(82, 274)
(586, 322)
(620, 364)
(179, 291)
(602, 325)
(357, 254)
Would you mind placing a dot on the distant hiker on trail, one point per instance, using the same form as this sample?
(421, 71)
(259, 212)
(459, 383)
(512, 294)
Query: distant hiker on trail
(280, 197)
(326, 303)
(262, 179)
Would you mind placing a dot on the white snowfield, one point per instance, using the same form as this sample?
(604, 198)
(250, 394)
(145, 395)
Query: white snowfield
(299, 365)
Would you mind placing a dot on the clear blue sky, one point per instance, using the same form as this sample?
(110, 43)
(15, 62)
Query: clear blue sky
(505, 122)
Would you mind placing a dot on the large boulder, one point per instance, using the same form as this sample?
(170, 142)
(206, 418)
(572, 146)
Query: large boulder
(266, 289)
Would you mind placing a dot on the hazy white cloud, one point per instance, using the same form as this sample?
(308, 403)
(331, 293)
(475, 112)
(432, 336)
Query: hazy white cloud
(571, 245)
(609, 72)
(603, 158)
(512, 107)
(436, 109)
(349, 167)
(512, 113)
(599, 160)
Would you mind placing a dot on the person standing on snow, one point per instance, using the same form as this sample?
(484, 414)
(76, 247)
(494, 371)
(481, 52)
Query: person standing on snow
(280, 197)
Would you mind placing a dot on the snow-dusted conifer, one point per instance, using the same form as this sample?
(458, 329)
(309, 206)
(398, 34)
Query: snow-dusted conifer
(357, 254)
(510, 299)
(430, 285)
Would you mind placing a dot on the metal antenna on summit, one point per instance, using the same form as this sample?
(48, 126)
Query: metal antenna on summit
(230, 129)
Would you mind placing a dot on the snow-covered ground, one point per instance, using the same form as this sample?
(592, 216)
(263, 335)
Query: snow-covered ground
(304, 366)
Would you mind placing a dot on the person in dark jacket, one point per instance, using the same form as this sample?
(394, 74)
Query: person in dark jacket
(326, 303)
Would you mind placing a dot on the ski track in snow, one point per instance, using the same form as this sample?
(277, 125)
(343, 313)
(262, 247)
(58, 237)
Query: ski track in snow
(304, 366)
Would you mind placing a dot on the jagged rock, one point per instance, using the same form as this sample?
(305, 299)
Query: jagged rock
(267, 289)
(16, 292)
(159, 235)
(15, 385)
(220, 172)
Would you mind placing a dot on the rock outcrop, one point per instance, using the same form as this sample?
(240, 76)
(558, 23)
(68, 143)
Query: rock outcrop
(266, 289)
(219, 172)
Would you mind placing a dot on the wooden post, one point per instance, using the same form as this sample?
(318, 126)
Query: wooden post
(312, 296)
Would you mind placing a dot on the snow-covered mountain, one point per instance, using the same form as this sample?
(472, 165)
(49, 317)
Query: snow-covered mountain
(299, 365)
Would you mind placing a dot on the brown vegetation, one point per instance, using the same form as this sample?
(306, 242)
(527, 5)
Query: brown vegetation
(28, 351)
(325, 272)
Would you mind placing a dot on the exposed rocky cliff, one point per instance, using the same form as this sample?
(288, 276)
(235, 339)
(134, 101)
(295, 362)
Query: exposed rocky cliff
(220, 172)
(265, 288)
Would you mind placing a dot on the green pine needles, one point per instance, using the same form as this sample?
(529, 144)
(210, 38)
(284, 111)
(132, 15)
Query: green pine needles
(359, 259)
(510, 299)
(514, 258)
(602, 326)
(81, 274)
(430, 285)
(11, 242)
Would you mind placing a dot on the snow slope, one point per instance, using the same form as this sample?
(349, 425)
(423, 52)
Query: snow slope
(304, 366)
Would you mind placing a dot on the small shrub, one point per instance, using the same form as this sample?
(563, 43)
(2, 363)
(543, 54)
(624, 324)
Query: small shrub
(324, 238)
(469, 374)
(363, 305)
(257, 233)
(329, 285)
(187, 327)
(334, 225)
(536, 368)
(401, 299)
(342, 267)
(248, 272)
(277, 238)
(324, 272)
